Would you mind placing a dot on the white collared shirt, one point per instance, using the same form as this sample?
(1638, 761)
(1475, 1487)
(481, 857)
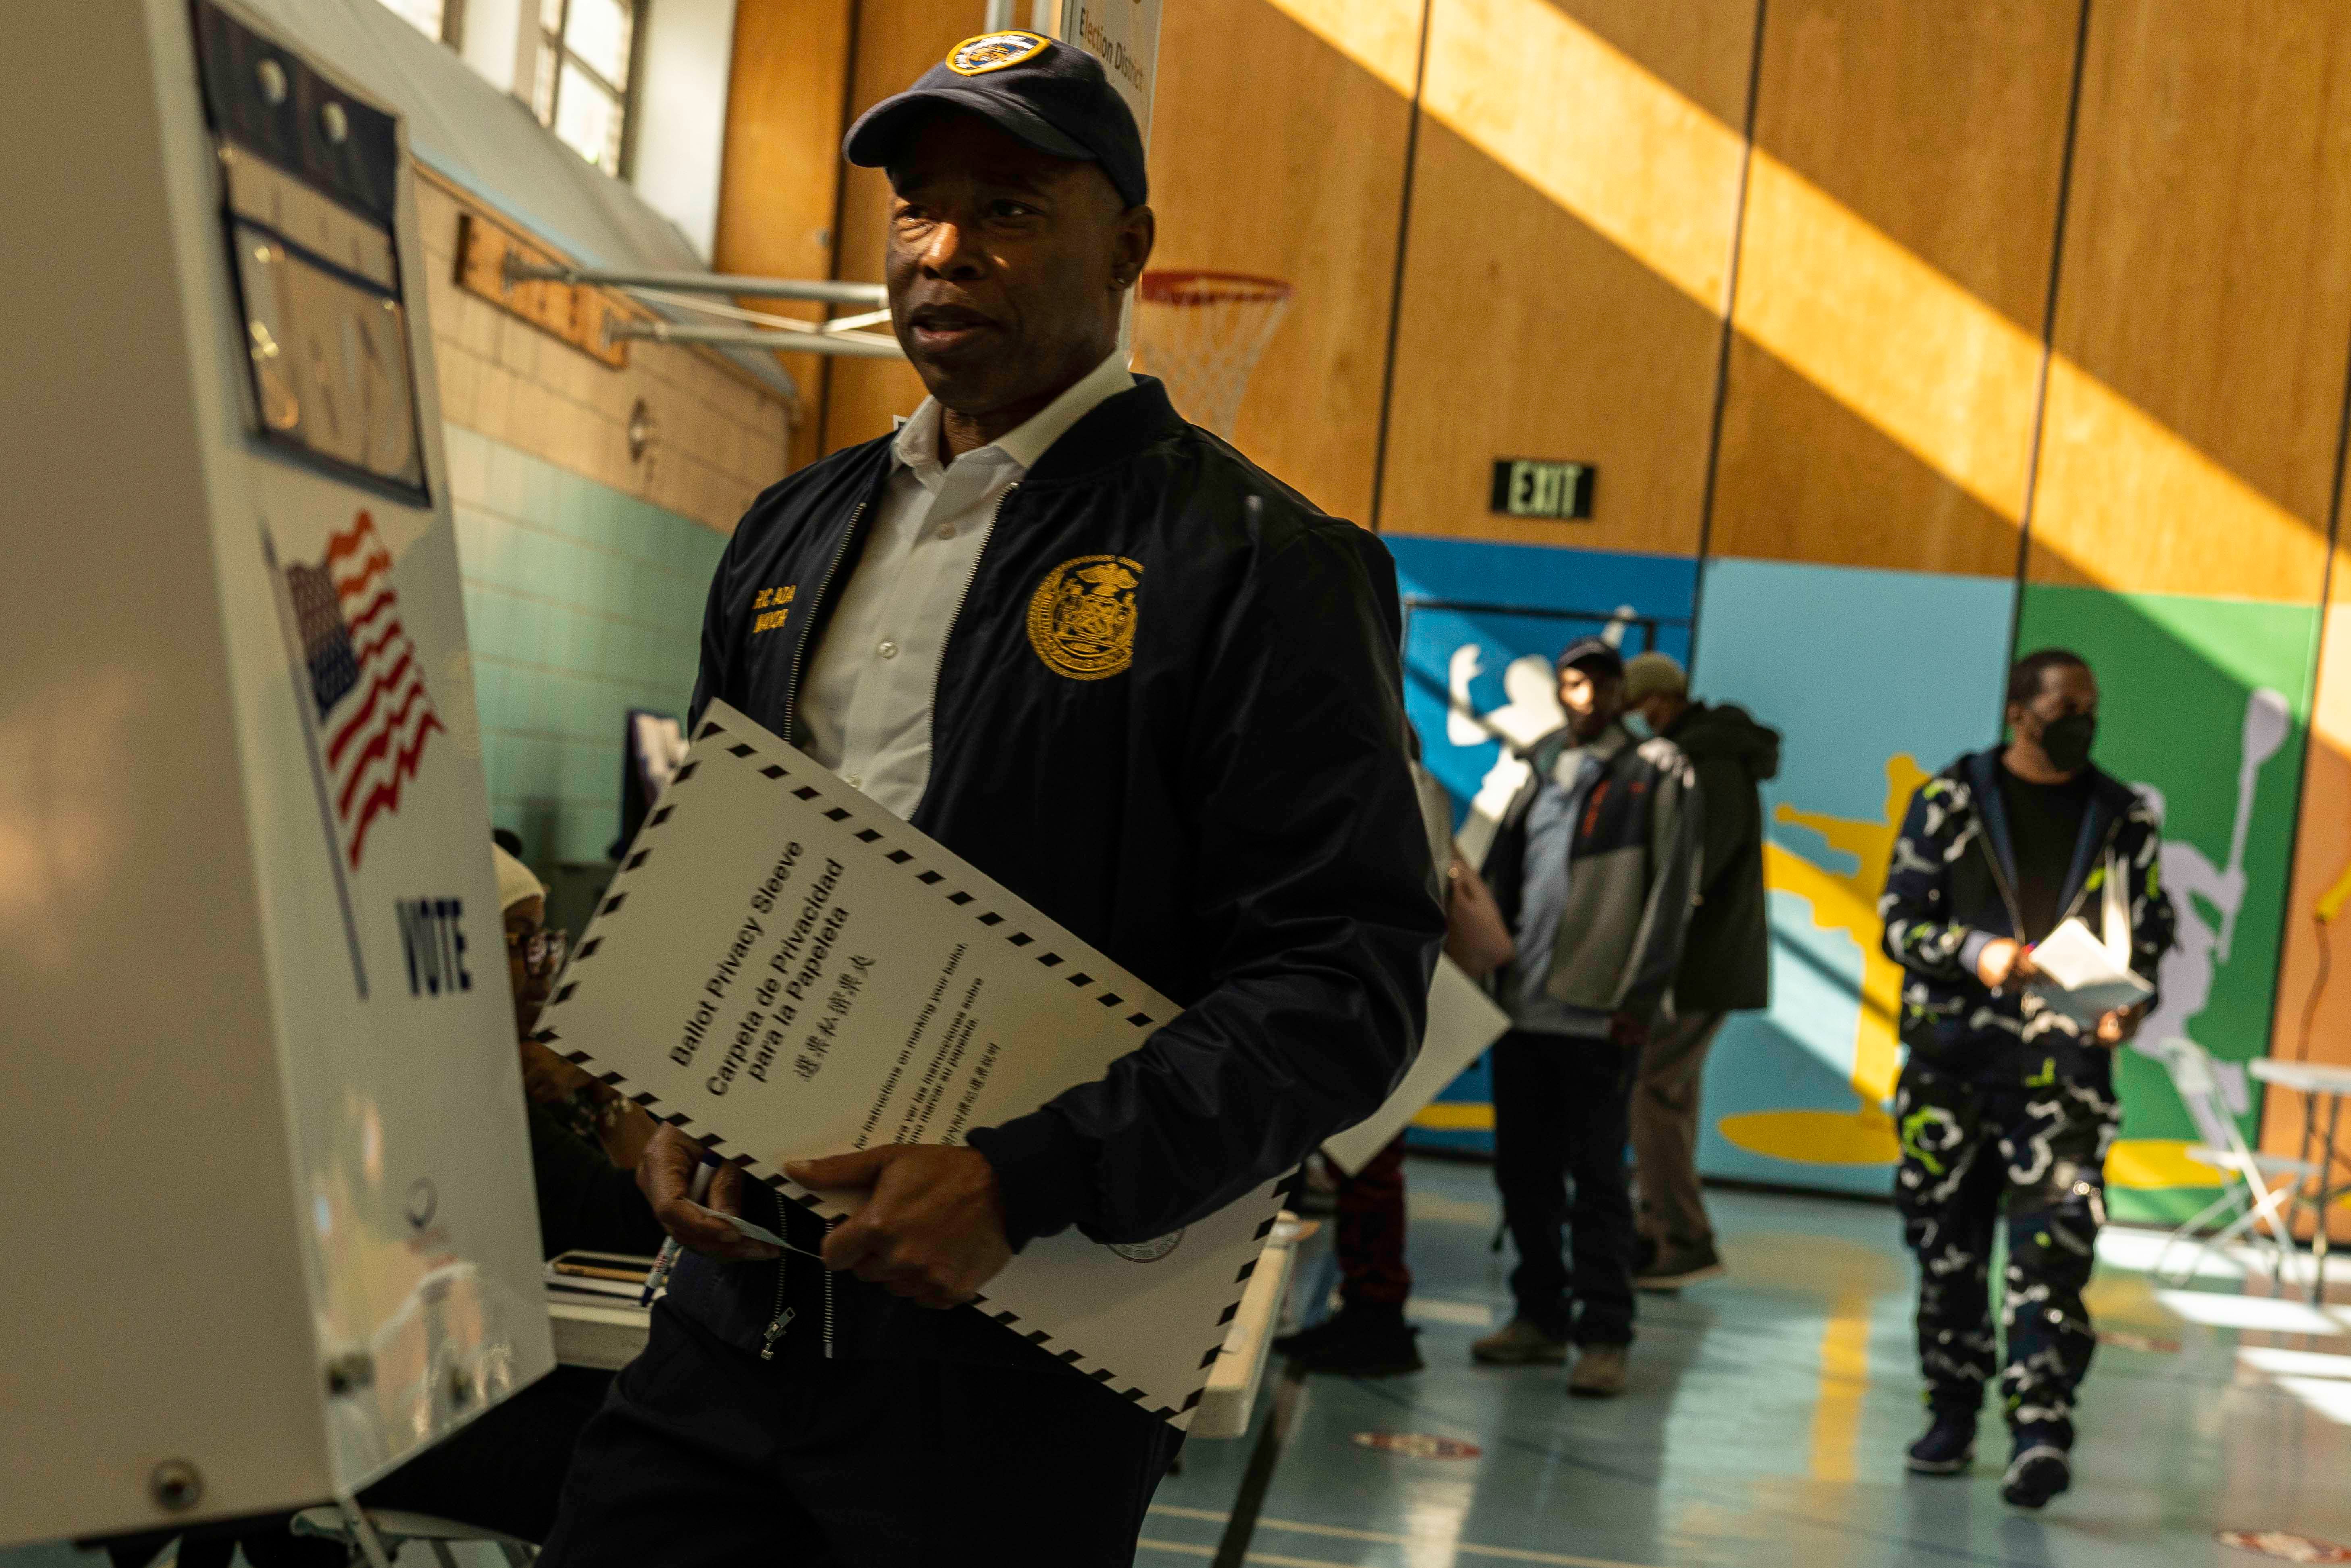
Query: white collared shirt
(867, 699)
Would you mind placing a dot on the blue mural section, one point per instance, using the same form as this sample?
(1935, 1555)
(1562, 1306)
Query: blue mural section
(1876, 680)
(1482, 622)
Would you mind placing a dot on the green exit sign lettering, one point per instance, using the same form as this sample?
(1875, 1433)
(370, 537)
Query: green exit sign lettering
(1537, 487)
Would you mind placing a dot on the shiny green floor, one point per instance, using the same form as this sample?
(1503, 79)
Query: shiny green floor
(1766, 1417)
(1766, 1422)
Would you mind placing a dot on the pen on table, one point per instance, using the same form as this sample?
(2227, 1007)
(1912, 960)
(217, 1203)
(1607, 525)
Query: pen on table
(665, 1261)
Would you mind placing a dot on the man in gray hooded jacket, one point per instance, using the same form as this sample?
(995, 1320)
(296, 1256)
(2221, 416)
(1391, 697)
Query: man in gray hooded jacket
(1594, 865)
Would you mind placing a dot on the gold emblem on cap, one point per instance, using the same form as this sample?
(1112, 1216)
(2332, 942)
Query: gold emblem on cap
(1081, 619)
(993, 52)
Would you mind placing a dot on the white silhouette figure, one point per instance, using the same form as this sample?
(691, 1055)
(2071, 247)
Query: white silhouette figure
(1530, 712)
(2185, 978)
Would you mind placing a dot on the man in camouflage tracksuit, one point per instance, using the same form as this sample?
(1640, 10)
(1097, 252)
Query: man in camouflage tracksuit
(2006, 1106)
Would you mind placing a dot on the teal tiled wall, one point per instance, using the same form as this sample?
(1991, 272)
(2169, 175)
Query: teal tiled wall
(581, 602)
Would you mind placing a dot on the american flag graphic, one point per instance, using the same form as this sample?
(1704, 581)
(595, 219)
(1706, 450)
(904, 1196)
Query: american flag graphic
(366, 684)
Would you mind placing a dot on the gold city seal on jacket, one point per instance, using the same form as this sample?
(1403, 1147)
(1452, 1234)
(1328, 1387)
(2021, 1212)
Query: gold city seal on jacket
(1082, 616)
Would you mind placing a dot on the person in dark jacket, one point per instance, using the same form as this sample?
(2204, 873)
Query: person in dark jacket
(1593, 866)
(1726, 962)
(2006, 1104)
(1099, 655)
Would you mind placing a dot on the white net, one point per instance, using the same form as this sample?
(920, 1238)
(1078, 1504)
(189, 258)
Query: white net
(1201, 333)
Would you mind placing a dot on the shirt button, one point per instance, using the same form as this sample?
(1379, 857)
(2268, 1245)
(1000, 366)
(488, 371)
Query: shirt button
(853, 781)
(888, 649)
(946, 530)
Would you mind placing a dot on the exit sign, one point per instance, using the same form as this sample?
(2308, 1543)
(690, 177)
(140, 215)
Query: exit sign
(1534, 487)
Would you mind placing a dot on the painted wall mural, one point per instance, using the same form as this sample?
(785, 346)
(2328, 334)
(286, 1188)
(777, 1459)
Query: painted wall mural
(1482, 622)
(1876, 680)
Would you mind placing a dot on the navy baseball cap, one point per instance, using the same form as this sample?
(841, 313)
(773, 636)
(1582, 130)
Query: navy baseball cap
(1596, 653)
(1053, 96)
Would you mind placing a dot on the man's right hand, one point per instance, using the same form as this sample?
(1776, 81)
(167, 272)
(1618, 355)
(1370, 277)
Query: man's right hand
(665, 1175)
(2005, 961)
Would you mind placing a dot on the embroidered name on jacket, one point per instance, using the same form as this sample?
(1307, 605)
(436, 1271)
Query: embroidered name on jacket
(1082, 617)
(773, 606)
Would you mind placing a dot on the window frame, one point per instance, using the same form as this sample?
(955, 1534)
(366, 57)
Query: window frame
(554, 52)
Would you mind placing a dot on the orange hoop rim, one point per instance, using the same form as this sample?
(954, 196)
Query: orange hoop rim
(1195, 288)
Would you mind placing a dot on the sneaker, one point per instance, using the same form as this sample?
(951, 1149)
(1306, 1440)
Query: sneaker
(1671, 1268)
(2037, 1474)
(1520, 1342)
(1599, 1371)
(1948, 1447)
(1356, 1344)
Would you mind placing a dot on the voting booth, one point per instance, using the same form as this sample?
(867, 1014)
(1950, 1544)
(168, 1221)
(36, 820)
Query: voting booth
(272, 1211)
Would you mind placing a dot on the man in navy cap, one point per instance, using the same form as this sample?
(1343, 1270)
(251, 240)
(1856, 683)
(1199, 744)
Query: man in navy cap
(1594, 865)
(1150, 689)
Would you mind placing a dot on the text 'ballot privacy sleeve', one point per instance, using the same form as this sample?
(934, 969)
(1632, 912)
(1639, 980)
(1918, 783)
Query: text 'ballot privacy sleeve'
(784, 970)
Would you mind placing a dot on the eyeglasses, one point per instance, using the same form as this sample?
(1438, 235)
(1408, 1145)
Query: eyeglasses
(540, 952)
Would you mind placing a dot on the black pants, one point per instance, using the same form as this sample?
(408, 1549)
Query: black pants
(1970, 1156)
(1563, 1110)
(706, 1456)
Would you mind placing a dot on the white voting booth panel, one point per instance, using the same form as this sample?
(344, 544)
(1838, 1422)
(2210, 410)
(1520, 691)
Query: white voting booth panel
(272, 1208)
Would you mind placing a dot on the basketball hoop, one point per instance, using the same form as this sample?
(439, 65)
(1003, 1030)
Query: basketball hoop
(1201, 332)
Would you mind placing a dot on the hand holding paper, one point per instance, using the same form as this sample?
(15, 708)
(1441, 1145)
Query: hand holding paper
(2082, 979)
(932, 1228)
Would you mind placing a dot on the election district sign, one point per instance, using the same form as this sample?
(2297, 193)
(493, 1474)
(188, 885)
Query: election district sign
(786, 971)
(1125, 36)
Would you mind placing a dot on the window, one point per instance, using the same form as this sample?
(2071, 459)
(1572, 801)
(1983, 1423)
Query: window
(434, 18)
(582, 90)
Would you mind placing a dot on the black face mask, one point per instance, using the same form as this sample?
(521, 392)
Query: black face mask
(2067, 741)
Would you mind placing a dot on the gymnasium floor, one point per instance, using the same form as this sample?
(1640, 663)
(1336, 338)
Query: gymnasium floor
(1767, 1418)
(1765, 1425)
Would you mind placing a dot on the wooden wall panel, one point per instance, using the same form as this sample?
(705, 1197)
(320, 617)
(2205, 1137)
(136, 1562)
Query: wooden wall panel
(897, 40)
(1901, 213)
(2312, 1020)
(2204, 305)
(1275, 152)
(1571, 232)
(782, 164)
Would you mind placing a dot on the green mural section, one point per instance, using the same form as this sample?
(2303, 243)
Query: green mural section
(2204, 703)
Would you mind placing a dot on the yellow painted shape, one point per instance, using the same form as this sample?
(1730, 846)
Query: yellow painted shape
(1455, 1116)
(1903, 345)
(2154, 1163)
(1862, 1137)
(1845, 1378)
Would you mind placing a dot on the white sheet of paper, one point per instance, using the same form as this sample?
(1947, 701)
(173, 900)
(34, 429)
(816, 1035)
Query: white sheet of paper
(1462, 1022)
(786, 970)
(2089, 983)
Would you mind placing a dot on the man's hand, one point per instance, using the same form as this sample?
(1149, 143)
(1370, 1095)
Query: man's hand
(665, 1175)
(2121, 1024)
(2005, 961)
(934, 1229)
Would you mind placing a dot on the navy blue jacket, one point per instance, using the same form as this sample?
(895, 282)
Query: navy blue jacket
(1952, 889)
(1169, 714)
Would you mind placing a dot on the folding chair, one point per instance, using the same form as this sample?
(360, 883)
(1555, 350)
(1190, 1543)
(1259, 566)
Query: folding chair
(376, 1535)
(2249, 1202)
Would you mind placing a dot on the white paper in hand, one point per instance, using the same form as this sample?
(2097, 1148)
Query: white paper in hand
(1462, 1022)
(786, 970)
(2084, 980)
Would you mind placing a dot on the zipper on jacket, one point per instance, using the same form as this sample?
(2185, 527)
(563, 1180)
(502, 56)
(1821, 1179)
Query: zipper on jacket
(783, 1316)
(827, 1302)
(955, 617)
(799, 649)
